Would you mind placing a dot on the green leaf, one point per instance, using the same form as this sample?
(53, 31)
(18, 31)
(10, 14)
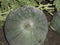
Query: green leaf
(57, 4)
(40, 1)
(27, 2)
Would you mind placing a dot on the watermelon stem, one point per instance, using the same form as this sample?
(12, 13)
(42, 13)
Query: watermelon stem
(46, 7)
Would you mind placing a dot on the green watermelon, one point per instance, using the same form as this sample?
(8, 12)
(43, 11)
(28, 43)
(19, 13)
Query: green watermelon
(55, 24)
(26, 25)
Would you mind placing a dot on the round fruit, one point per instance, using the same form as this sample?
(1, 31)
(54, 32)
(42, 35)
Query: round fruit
(56, 22)
(26, 26)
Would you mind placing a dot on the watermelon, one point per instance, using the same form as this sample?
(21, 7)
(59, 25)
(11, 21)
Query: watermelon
(55, 23)
(26, 25)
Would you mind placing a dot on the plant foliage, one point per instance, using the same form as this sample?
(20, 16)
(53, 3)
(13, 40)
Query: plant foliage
(57, 4)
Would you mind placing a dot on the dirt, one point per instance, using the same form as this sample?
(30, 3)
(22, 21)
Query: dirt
(52, 38)
(2, 38)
